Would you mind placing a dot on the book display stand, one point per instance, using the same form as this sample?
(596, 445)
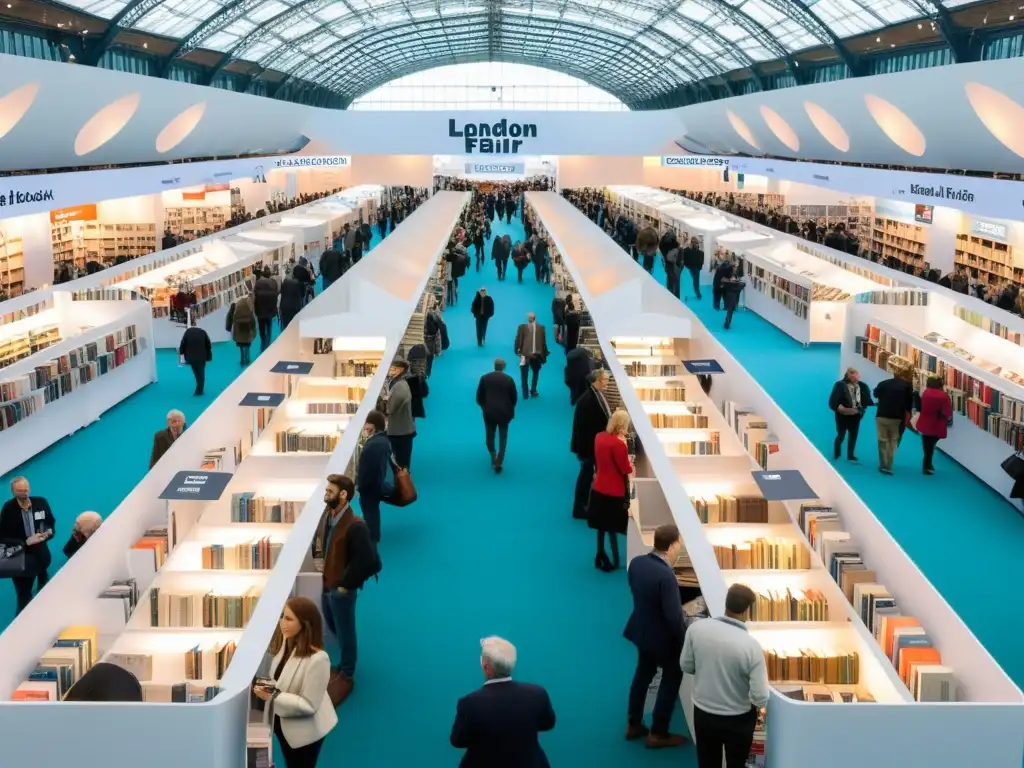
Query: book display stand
(312, 233)
(215, 538)
(836, 591)
(980, 361)
(727, 246)
(49, 387)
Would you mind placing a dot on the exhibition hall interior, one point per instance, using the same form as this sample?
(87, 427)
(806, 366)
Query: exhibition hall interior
(726, 470)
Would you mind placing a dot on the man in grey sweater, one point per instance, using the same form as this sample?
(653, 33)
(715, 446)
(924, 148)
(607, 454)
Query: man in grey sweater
(401, 422)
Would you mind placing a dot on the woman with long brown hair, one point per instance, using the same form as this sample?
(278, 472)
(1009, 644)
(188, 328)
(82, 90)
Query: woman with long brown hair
(298, 708)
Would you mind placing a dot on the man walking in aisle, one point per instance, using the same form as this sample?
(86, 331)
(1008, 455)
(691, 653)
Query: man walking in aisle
(483, 311)
(27, 520)
(894, 399)
(531, 348)
(693, 260)
(264, 294)
(730, 683)
(588, 420)
(349, 560)
(401, 422)
(657, 630)
(849, 398)
(372, 473)
(497, 398)
(195, 351)
(164, 439)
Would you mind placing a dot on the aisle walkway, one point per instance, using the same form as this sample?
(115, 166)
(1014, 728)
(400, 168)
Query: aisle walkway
(963, 536)
(95, 468)
(481, 554)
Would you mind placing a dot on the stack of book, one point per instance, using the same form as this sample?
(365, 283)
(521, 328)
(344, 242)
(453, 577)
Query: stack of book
(260, 554)
(764, 554)
(905, 642)
(355, 368)
(155, 539)
(125, 590)
(73, 655)
(297, 441)
(692, 420)
(636, 368)
(168, 609)
(347, 407)
(726, 508)
(249, 508)
(810, 666)
(672, 392)
(789, 605)
(753, 431)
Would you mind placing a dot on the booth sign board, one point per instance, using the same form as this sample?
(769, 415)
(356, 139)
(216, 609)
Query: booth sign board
(196, 486)
(262, 399)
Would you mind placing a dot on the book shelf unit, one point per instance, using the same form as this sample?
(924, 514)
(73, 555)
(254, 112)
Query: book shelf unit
(79, 241)
(985, 706)
(888, 238)
(312, 234)
(88, 357)
(986, 260)
(797, 293)
(982, 372)
(729, 246)
(12, 265)
(196, 221)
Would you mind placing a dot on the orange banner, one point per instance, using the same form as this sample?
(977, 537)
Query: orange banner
(79, 213)
(193, 195)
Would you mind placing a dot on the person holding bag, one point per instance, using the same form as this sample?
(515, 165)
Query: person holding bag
(608, 510)
(935, 416)
(297, 707)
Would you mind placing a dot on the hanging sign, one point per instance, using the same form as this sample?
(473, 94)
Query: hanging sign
(314, 161)
(498, 138)
(79, 213)
(200, 195)
(292, 367)
(702, 366)
(783, 485)
(503, 168)
(262, 399)
(196, 486)
(694, 161)
(990, 230)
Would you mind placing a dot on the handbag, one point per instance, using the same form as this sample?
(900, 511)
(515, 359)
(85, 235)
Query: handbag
(403, 492)
(12, 561)
(1013, 465)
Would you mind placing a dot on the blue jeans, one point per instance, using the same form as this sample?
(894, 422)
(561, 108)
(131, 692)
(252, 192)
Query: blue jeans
(340, 616)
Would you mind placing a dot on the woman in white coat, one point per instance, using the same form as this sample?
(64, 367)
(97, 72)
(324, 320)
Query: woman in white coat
(298, 708)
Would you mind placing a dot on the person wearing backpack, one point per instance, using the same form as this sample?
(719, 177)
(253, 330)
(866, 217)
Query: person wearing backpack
(350, 560)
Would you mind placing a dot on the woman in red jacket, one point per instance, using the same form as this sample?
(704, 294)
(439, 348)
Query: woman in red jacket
(608, 511)
(936, 414)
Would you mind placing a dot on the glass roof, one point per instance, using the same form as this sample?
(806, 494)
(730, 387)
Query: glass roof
(634, 49)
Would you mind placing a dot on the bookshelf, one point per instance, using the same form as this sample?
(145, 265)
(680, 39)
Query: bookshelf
(78, 241)
(987, 261)
(888, 238)
(729, 246)
(196, 221)
(799, 729)
(12, 265)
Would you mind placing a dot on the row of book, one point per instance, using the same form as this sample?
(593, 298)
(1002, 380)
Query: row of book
(989, 325)
(907, 298)
(693, 420)
(904, 641)
(822, 694)
(347, 407)
(830, 667)
(726, 508)
(672, 393)
(297, 441)
(323, 346)
(789, 605)
(27, 344)
(822, 292)
(355, 368)
(764, 554)
(72, 655)
(257, 555)
(156, 540)
(125, 590)
(168, 609)
(247, 507)
(637, 368)
(758, 440)
(178, 693)
(710, 447)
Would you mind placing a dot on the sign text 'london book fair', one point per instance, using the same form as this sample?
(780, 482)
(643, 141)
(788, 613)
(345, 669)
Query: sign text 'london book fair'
(500, 138)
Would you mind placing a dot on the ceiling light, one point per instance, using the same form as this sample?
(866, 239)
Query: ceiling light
(878, 39)
(8, 5)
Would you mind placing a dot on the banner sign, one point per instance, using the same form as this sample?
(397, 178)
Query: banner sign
(81, 213)
(783, 485)
(200, 195)
(313, 161)
(990, 230)
(695, 161)
(262, 399)
(702, 366)
(196, 486)
(502, 168)
(498, 138)
(292, 367)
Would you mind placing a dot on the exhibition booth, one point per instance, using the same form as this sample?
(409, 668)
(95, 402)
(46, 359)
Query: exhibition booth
(245, 481)
(757, 503)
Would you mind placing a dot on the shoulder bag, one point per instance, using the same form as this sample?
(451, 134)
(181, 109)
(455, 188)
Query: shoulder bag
(1013, 465)
(403, 492)
(12, 561)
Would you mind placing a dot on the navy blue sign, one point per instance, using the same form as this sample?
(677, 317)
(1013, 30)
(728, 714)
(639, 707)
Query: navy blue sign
(196, 486)
(702, 366)
(263, 399)
(783, 485)
(294, 367)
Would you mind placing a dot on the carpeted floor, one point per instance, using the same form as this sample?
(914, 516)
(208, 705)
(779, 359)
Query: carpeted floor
(481, 554)
(963, 536)
(77, 474)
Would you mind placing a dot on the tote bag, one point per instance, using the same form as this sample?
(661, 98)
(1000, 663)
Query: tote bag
(1013, 465)
(400, 492)
(12, 561)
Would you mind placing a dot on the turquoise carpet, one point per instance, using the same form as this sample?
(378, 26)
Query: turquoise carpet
(481, 554)
(68, 473)
(963, 536)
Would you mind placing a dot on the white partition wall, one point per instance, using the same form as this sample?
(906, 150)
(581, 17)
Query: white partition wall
(983, 725)
(212, 734)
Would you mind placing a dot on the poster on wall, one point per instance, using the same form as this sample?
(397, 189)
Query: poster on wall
(923, 214)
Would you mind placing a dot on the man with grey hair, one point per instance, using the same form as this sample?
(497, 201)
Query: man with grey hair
(164, 439)
(498, 724)
(27, 520)
(86, 524)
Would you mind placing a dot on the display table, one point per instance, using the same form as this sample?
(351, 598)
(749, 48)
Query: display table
(821, 550)
(797, 293)
(982, 372)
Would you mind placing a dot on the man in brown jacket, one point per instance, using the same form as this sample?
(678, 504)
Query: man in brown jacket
(164, 439)
(349, 560)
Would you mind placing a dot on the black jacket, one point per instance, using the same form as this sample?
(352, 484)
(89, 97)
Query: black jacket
(12, 531)
(330, 265)
(291, 296)
(656, 624)
(668, 242)
(373, 467)
(483, 306)
(558, 311)
(894, 398)
(497, 397)
(361, 559)
(195, 346)
(578, 365)
(723, 271)
(693, 258)
(498, 725)
(265, 297)
(841, 396)
(588, 420)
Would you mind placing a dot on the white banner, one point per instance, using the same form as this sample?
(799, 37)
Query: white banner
(504, 169)
(694, 161)
(314, 161)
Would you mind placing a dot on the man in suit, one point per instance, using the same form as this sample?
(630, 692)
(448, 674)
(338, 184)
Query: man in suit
(264, 294)
(498, 724)
(164, 439)
(657, 630)
(372, 473)
(196, 351)
(579, 364)
(590, 417)
(532, 349)
(497, 398)
(483, 310)
(28, 520)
